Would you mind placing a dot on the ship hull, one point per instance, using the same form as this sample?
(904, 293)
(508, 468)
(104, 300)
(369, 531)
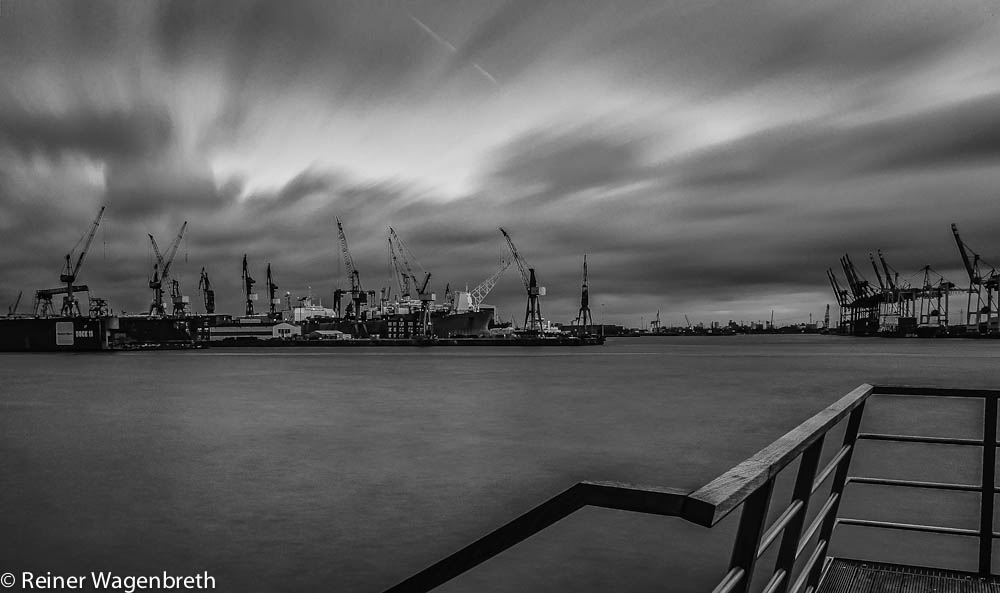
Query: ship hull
(405, 326)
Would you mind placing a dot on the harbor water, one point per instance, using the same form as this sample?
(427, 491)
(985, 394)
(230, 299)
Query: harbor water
(351, 469)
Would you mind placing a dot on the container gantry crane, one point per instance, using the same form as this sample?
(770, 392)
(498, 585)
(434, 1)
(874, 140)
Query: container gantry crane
(161, 275)
(70, 306)
(533, 312)
(207, 293)
(248, 283)
(982, 308)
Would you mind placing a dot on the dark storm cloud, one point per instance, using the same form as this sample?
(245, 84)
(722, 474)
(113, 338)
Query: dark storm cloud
(140, 133)
(966, 133)
(559, 164)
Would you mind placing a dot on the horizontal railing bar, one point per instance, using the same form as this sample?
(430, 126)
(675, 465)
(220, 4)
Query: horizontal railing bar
(830, 467)
(914, 484)
(778, 526)
(650, 500)
(933, 391)
(713, 501)
(908, 527)
(903, 438)
(732, 578)
(816, 522)
(775, 582)
(807, 568)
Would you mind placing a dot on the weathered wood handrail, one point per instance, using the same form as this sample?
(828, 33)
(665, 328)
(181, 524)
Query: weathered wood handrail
(750, 485)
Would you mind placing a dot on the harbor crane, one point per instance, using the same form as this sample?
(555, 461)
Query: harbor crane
(533, 312)
(248, 283)
(70, 306)
(272, 292)
(357, 295)
(878, 274)
(207, 293)
(12, 310)
(161, 275)
(408, 277)
(478, 294)
(583, 316)
(892, 279)
(983, 307)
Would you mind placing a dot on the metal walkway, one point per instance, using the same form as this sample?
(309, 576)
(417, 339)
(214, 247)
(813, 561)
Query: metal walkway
(857, 576)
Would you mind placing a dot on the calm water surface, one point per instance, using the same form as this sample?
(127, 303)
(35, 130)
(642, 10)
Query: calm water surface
(348, 470)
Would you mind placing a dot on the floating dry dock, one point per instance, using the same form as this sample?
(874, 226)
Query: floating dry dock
(802, 563)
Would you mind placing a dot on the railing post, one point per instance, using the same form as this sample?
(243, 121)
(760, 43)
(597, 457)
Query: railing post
(989, 481)
(837, 487)
(793, 531)
(751, 528)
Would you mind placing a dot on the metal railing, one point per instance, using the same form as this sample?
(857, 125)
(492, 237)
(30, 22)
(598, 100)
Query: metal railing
(750, 485)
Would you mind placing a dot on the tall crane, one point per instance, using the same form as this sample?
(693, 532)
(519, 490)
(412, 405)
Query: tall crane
(357, 295)
(207, 293)
(161, 274)
(272, 292)
(584, 316)
(70, 306)
(396, 246)
(248, 283)
(977, 282)
(533, 312)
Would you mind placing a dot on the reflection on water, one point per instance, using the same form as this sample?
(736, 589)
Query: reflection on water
(349, 470)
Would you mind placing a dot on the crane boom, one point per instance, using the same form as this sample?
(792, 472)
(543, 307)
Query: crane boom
(889, 278)
(478, 294)
(75, 270)
(878, 275)
(522, 265)
(172, 251)
(345, 251)
(963, 250)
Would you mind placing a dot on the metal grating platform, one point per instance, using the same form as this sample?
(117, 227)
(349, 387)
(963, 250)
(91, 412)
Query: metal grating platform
(857, 576)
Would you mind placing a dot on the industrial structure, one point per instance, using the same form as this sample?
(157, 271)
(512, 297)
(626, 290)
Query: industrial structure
(533, 321)
(895, 307)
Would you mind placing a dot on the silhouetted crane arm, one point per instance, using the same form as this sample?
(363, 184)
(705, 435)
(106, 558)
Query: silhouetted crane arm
(172, 251)
(73, 270)
(969, 268)
(890, 278)
(878, 275)
(348, 260)
(522, 265)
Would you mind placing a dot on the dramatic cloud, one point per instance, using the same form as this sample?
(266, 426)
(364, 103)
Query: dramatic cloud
(712, 159)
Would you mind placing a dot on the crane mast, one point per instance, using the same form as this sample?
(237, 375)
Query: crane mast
(208, 294)
(248, 283)
(532, 313)
(271, 292)
(584, 316)
(892, 279)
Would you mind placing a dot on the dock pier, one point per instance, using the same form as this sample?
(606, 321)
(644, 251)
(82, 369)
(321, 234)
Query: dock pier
(749, 487)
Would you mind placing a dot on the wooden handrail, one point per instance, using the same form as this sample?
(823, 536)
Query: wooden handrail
(748, 484)
(713, 501)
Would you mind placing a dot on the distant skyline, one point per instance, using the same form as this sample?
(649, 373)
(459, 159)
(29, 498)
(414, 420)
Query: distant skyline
(713, 159)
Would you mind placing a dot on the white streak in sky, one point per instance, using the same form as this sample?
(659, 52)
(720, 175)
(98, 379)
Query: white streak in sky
(486, 74)
(450, 48)
(437, 37)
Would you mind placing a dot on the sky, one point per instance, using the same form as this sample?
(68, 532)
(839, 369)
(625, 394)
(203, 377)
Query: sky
(712, 159)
